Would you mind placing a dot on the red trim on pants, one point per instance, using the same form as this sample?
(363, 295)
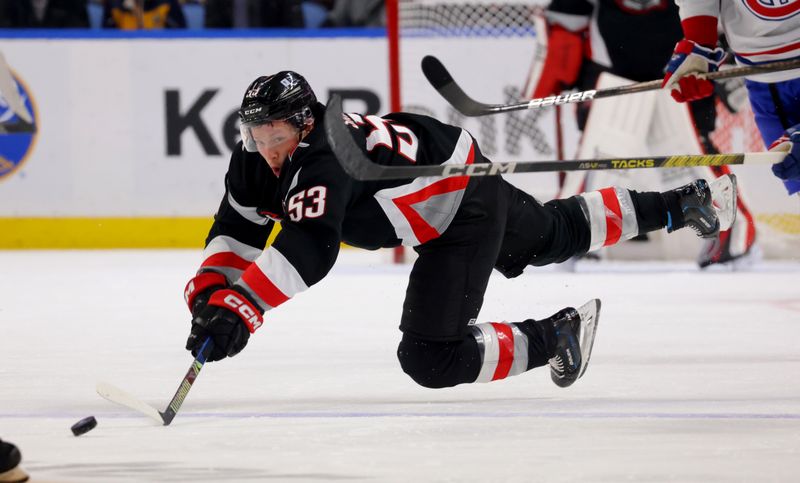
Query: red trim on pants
(613, 216)
(505, 338)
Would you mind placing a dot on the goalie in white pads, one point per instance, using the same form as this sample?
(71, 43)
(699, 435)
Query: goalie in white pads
(462, 228)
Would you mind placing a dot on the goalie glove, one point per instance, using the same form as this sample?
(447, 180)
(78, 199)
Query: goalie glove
(229, 319)
(689, 59)
(789, 169)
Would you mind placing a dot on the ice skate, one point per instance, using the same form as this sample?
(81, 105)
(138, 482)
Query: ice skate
(708, 208)
(717, 252)
(574, 330)
(10, 472)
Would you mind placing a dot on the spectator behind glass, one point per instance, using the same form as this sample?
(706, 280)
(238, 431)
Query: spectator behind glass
(143, 14)
(43, 14)
(357, 13)
(254, 13)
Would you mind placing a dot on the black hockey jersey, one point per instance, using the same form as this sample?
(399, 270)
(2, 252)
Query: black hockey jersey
(631, 38)
(319, 205)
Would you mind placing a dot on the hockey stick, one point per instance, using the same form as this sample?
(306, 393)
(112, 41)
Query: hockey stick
(443, 82)
(359, 166)
(117, 395)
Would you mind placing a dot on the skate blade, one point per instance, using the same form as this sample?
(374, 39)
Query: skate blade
(590, 315)
(723, 198)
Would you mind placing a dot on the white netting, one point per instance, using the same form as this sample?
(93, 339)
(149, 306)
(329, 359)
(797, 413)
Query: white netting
(468, 18)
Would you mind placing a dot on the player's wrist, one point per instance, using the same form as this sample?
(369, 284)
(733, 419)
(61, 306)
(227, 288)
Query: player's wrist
(701, 29)
(200, 287)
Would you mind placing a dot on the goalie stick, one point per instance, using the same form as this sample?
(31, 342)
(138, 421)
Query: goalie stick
(443, 82)
(359, 166)
(118, 396)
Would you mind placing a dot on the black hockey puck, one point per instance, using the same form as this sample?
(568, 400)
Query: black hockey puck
(84, 426)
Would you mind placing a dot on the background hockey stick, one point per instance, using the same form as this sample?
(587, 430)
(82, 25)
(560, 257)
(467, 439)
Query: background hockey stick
(443, 82)
(360, 167)
(118, 396)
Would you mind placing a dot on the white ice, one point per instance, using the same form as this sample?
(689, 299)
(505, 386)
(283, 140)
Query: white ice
(694, 377)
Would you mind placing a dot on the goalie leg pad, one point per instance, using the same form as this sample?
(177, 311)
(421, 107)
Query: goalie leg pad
(611, 216)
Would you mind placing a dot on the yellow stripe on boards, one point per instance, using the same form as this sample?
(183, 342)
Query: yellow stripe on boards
(99, 233)
(785, 223)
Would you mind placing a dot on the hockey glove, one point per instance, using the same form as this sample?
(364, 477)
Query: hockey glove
(688, 59)
(200, 288)
(789, 169)
(229, 319)
(563, 61)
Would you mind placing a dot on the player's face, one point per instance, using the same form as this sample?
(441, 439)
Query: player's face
(275, 142)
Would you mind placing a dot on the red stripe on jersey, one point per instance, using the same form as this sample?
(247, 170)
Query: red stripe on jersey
(226, 259)
(613, 216)
(422, 230)
(778, 50)
(505, 337)
(263, 286)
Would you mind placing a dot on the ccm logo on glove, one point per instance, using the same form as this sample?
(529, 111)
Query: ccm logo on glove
(242, 307)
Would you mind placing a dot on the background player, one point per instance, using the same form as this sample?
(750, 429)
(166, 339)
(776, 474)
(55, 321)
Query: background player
(284, 170)
(757, 32)
(630, 40)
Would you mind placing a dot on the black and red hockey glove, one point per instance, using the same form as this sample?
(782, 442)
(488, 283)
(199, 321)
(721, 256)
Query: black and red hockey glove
(229, 318)
(200, 288)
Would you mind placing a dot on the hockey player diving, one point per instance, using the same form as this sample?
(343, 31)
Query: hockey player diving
(283, 170)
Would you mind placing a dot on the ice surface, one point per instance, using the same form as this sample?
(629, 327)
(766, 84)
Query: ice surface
(694, 377)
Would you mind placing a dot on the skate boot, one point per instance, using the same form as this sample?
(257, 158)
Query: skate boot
(10, 472)
(707, 209)
(574, 331)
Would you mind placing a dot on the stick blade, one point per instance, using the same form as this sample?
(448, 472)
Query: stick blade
(446, 86)
(118, 396)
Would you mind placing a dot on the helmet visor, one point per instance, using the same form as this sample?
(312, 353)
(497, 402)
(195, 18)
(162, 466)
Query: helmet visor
(269, 135)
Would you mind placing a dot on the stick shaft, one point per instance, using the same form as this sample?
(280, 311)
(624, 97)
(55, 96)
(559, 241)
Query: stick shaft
(443, 82)
(360, 167)
(183, 390)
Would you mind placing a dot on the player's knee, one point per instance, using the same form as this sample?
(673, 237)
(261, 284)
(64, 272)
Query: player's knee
(432, 364)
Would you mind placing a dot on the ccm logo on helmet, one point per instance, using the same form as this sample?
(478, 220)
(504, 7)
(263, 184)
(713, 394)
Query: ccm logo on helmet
(251, 318)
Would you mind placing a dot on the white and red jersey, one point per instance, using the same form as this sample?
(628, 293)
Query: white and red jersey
(319, 206)
(758, 31)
